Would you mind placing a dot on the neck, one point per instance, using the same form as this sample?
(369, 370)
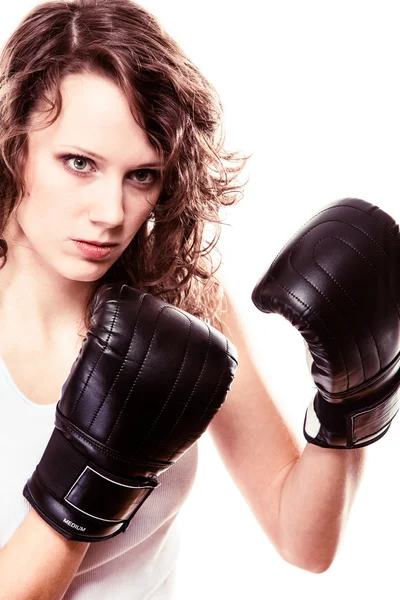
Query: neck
(40, 303)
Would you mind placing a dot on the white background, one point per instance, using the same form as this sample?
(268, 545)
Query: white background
(311, 89)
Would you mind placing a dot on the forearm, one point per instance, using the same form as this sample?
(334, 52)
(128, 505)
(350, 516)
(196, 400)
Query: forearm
(316, 496)
(37, 562)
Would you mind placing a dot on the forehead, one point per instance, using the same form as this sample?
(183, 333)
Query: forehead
(95, 115)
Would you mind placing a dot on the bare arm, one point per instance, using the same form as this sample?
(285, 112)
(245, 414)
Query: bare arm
(316, 494)
(37, 563)
(300, 499)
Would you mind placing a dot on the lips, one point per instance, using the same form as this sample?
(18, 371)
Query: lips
(101, 244)
(94, 250)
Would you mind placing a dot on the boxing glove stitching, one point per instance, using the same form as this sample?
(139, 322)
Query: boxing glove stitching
(375, 271)
(106, 345)
(343, 223)
(338, 206)
(389, 258)
(336, 309)
(371, 215)
(162, 309)
(106, 450)
(330, 304)
(364, 258)
(172, 389)
(348, 295)
(210, 402)
(319, 319)
(188, 400)
(309, 221)
(116, 311)
(367, 214)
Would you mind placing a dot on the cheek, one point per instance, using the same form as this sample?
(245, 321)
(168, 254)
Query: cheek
(50, 184)
(52, 196)
(132, 225)
(139, 208)
(45, 212)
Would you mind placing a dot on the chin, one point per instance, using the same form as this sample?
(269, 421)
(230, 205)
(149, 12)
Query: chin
(86, 274)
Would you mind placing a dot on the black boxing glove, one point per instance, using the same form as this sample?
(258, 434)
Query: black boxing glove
(337, 281)
(148, 380)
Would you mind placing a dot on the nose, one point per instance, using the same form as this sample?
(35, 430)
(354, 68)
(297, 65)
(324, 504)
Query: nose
(107, 205)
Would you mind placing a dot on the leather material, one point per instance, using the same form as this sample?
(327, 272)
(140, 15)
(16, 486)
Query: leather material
(337, 281)
(148, 380)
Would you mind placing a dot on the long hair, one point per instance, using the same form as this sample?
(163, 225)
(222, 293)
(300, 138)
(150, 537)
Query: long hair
(172, 254)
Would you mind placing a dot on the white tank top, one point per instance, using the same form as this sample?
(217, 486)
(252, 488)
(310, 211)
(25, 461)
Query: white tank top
(138, 564)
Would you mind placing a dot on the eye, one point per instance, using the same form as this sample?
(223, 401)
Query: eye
(146, 177)
(79, 163)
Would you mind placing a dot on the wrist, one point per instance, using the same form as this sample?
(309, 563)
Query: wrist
(37, 529)
(37, 562)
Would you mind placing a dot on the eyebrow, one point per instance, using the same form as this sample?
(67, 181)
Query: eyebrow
(154, 165)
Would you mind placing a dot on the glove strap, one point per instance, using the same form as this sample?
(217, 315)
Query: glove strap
(360, 428)
(358, 417)
(82, 501)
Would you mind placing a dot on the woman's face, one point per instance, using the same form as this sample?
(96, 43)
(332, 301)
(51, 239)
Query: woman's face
(73, 195)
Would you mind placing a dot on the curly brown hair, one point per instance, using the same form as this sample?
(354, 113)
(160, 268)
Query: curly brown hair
(172, 255)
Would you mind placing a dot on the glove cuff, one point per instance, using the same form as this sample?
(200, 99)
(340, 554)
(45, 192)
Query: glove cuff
(82, 501)
(358, 427)
(357, 417)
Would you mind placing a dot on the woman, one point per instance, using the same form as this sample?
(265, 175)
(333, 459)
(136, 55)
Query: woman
(109, 134)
